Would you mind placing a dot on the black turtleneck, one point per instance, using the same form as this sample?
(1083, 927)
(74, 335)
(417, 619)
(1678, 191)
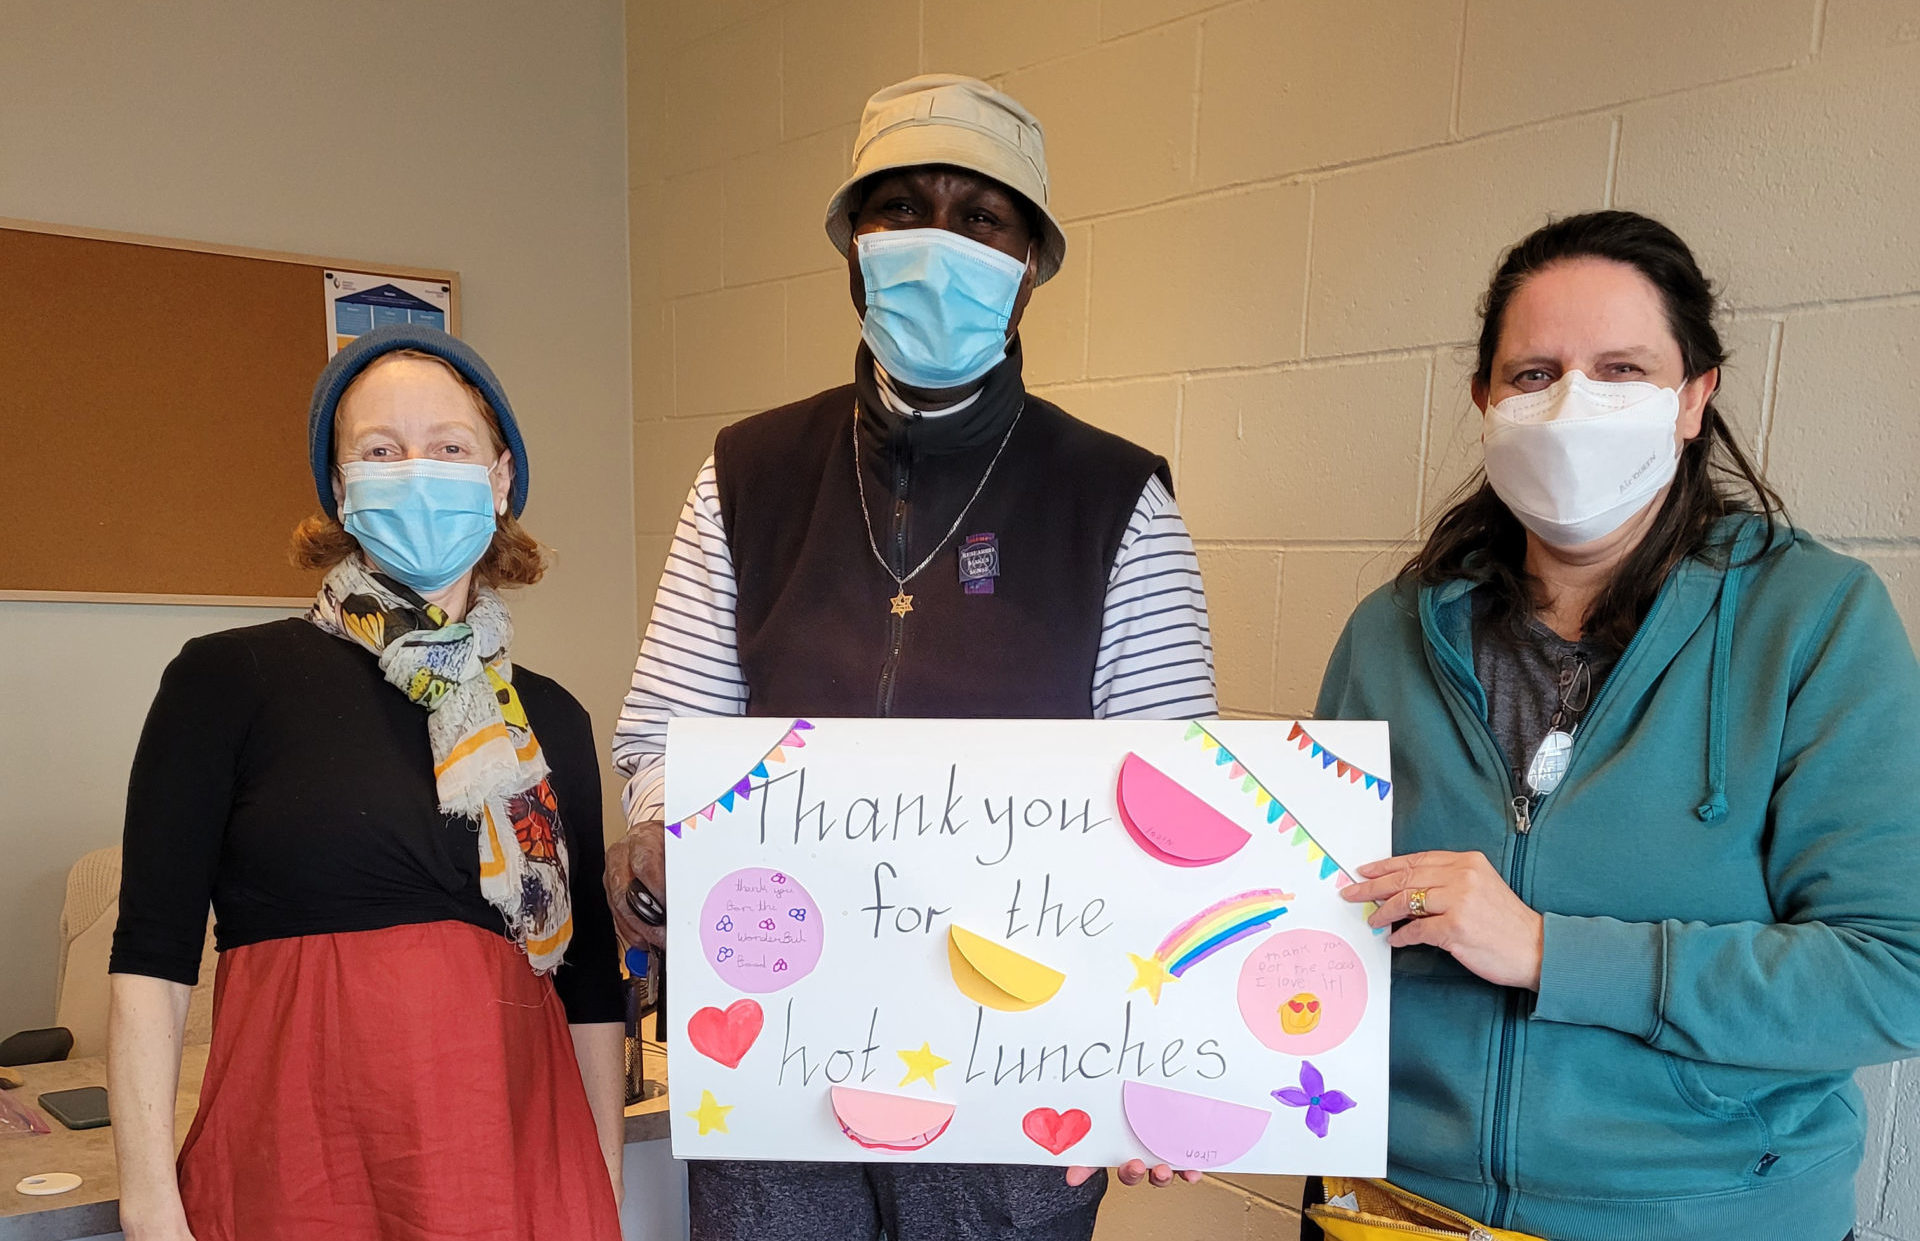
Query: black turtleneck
(813, 625)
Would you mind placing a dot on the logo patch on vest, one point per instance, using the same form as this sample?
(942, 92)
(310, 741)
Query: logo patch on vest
(979, 563)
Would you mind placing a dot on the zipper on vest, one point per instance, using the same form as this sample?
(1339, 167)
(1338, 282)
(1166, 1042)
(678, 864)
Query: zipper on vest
(897, 556)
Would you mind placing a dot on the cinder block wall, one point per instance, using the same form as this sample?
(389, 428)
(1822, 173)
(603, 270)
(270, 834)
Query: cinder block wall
(1279, 218)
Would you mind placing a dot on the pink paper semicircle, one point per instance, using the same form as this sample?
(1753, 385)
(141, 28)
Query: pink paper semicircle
(890, 1122)
(1170, 822)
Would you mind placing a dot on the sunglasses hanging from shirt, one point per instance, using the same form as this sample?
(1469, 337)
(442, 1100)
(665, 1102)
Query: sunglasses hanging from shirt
(902, 602)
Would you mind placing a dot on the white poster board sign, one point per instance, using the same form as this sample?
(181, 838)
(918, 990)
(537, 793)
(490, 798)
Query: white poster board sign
(1027, 942)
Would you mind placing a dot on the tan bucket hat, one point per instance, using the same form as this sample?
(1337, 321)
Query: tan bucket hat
(944, 118)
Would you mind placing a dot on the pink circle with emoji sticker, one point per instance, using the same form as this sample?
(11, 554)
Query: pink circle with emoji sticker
(1303, 992)
(760, 930)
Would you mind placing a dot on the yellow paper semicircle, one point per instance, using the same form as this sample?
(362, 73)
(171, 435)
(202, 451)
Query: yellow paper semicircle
(997, 976)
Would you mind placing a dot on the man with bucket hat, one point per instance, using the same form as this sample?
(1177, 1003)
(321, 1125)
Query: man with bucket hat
(929, 540)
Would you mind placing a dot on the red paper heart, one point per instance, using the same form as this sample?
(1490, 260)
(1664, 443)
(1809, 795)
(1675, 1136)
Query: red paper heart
(727, 1036)
(1056, 1131)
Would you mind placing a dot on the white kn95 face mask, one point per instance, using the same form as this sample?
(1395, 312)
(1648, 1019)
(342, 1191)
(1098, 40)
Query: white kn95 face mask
(1575, 460)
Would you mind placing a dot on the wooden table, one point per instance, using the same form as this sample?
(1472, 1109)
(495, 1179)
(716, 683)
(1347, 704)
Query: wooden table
(94, 1208)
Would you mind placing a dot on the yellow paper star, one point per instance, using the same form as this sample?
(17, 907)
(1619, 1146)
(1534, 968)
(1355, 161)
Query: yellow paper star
(922, 1063)
(1149, 975)
(711, 1113)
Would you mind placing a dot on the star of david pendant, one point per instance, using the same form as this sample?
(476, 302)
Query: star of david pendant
(902, 603)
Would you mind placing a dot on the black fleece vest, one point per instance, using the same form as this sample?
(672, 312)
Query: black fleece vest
(814, 629)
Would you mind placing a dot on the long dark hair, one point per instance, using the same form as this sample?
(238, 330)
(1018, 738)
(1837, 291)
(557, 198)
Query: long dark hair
(1479, 539)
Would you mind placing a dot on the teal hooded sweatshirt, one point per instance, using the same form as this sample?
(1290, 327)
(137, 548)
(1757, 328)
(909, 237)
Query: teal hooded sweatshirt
(1729, 876)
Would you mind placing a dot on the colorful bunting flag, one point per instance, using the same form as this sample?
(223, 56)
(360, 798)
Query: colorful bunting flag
(1341, 766)
(742, 789)
(1277, 813)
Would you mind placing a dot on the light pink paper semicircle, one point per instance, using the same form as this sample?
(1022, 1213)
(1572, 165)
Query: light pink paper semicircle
(889, 1121)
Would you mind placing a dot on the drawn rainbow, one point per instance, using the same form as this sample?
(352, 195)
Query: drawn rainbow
(1204, 934)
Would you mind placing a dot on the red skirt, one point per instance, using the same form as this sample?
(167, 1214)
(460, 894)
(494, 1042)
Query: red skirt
(411, 1084)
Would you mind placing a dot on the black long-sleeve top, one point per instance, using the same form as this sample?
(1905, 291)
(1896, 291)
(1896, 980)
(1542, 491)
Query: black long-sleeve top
(280, 776)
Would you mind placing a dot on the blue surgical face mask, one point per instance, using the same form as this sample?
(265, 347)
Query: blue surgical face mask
(937, 304)
(423, 522)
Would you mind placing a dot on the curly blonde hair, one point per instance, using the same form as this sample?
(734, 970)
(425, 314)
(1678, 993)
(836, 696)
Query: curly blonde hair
(514, 558)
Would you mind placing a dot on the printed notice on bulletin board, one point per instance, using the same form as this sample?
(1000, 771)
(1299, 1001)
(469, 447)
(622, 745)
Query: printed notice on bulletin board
(358, 302)
(1025, 941)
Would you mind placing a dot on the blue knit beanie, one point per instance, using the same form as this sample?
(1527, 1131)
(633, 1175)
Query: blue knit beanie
(357, 356)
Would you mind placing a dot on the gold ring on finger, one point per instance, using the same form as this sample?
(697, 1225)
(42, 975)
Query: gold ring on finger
(1417, 903)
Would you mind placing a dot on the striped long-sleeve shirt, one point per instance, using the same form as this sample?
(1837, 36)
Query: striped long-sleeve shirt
(1155, 659)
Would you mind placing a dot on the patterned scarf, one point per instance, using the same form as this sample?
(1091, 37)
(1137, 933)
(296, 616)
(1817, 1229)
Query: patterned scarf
(486, 761)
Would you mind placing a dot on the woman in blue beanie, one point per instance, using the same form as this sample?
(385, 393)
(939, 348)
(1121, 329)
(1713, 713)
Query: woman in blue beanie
(416, 1025)
(1654, 825)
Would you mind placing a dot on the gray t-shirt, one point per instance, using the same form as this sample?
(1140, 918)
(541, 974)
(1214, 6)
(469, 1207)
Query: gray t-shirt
(1536, 682)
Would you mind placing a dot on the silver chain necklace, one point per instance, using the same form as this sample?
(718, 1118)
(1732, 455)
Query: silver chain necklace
(902, 603)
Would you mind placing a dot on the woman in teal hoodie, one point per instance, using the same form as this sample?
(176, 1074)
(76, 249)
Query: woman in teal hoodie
(1656, 891)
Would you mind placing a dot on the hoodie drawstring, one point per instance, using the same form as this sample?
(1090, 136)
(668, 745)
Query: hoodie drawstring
(1726, 612)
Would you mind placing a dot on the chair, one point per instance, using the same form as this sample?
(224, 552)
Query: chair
(86, 939)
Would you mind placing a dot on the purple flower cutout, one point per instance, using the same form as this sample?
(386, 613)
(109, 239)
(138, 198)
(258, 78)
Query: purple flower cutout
(1313, 1095)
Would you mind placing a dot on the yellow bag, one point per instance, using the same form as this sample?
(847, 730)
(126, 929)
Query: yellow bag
(1384, 1212)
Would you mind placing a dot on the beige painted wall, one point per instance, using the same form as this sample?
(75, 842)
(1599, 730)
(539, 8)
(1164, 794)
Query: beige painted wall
(1280, 216)
(486, 138)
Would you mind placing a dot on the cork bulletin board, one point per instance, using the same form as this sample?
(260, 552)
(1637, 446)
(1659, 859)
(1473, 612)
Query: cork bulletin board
(153, 414)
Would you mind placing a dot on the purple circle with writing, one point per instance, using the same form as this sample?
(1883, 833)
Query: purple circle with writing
(760, 930)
